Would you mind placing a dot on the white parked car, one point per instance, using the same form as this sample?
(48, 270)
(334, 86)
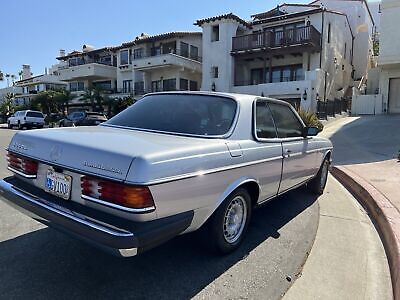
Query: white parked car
(26, 118)
(169, 164)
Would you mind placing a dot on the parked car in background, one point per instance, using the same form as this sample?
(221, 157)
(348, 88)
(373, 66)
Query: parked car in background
(27, 119)
(82, 118)
(169, 164)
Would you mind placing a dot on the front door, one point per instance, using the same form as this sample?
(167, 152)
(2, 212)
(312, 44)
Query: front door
(394, 96)
(299, 161)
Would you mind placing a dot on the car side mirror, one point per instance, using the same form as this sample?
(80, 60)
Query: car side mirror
(311, 131)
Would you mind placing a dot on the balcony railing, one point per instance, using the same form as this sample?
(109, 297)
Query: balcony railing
(307, 35)
(158, 52)
(274, 80)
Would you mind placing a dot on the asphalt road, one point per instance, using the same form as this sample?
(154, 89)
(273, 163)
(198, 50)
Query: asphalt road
(37, 262)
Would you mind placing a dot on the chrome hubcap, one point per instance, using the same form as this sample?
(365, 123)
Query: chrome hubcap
(324, 174)
(235, 219)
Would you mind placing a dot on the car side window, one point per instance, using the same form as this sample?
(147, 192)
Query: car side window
(265, 128)
(287, 124)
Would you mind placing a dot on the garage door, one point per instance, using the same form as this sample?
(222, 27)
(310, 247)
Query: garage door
(394, 95)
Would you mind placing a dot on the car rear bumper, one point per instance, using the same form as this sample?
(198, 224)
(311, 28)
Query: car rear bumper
(114, 234)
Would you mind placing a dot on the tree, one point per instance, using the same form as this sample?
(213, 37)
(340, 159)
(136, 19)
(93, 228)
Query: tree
(122, 103)
(1, 76)
(7, 107)
(95, 98)
(51, 101)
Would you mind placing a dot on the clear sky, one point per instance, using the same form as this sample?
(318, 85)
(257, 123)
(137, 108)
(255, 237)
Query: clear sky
(32, 32)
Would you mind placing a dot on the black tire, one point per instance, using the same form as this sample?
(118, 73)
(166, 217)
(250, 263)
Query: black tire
(40, 126)
(216, 230)
(318, 183)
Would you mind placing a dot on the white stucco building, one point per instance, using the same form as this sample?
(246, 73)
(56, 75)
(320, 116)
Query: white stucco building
(297, 52)
(29, 86)
(88, 68)
(164, 62)
(389, 55)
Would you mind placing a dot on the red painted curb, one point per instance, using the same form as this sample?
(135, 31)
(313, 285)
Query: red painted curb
(382, 212)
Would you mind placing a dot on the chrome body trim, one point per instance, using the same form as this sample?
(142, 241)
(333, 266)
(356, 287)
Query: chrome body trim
(4, 186)
(119, 207)
(21, 174)
(209, 171)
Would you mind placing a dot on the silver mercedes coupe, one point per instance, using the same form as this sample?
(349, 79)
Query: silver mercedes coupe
(170, 164)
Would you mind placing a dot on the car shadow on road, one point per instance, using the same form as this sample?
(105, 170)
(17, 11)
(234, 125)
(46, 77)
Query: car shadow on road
(367, 139)
(48, 264)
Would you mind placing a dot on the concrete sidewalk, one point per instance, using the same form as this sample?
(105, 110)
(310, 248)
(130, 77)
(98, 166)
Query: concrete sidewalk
(348, 260)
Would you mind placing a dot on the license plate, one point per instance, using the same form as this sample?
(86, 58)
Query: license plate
(58, 184)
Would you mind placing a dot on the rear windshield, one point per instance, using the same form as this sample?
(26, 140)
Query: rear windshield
(34, 114)
(200, 115)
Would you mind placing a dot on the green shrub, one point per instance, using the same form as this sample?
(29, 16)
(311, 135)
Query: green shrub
(310, 119)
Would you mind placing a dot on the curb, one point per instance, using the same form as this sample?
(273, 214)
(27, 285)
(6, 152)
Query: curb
(384, 215)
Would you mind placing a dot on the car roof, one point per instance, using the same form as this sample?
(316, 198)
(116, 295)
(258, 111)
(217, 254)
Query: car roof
(241, 98)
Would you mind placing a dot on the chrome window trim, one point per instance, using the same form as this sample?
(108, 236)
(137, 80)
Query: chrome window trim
(119, 207)
(254, 123)
(21, 174)
(222, 136)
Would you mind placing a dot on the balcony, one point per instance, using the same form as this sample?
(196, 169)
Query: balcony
(153, 60)
(88, 71)
(290, 40)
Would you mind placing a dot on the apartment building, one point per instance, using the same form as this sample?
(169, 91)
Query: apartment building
(300, 53)
(164, 62)
(29, 86)
(389, 56)
(88, 68)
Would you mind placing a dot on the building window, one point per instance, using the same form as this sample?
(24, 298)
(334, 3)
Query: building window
(215, 33)
(76, 86)
(184, 84)
(169, 84)
(124, 57)
(137, 53)
(127, 86)
(102, 85)
(297, 73)
(193, 85)
(169, 47)
(105, 60)
(139, 87)
(194, 52)
(329, 33)
(184, 49)
(214, 72)
(76, 61)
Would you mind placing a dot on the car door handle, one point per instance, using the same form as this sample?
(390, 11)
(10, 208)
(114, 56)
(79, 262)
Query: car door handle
(287, 153)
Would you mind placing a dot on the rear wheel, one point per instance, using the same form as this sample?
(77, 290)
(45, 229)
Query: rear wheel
(228, 225)
(318, 183)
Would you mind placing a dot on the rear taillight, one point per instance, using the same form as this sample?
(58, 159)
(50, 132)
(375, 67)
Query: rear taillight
(134, 197)
(21, 165)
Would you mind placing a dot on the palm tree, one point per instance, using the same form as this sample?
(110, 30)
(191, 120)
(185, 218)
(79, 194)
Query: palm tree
(13, 77)
(8, 77)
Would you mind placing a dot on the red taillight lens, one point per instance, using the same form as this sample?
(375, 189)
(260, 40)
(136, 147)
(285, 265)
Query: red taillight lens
(22, 164)
(138, 197)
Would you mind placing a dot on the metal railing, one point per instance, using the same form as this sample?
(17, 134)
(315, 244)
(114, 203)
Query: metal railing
(331, 108)
(274, 80)
(275, 39)
(159, 52)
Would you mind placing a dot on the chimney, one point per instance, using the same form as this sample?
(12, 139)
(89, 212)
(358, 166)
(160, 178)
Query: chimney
(62, 52)
(26, 72)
